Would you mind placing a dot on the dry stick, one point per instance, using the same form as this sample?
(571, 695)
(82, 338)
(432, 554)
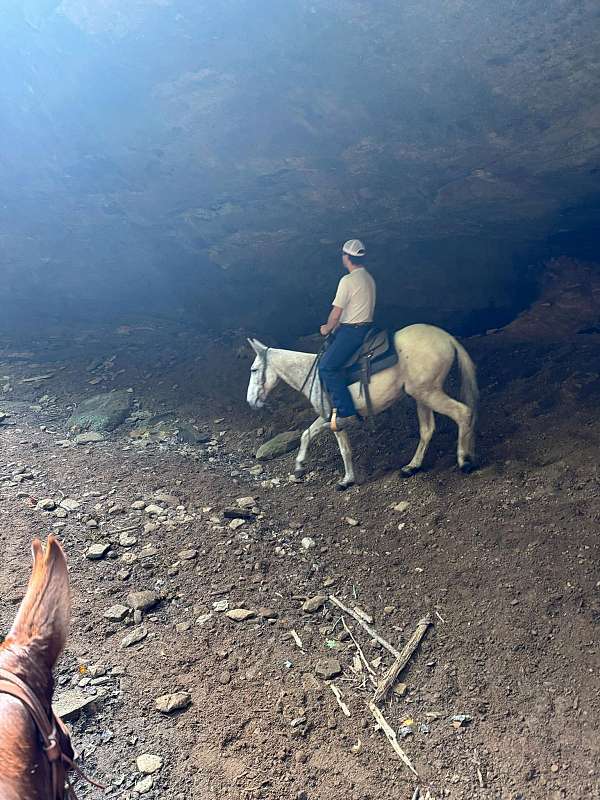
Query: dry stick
(367, 627)
(391, 736)
(401, 660)
(370, 669)
(338, 697)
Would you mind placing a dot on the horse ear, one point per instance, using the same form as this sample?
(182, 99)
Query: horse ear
(45, 611)
(258, 347)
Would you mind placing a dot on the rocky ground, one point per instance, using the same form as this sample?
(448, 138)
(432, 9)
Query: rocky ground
(203, 670)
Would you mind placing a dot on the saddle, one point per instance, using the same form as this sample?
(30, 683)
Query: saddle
(376, 353)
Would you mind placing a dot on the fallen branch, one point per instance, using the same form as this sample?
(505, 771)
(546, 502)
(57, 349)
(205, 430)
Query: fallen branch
(373, 633)
(340, 702)
(362, 656)
(389, 679)
(391, 736)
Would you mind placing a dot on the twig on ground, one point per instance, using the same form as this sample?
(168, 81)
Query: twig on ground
(391, 736)
(296, 638)
(124, 530)
(340, 701)
(416, 793)
(373, 633)
(362, 656)
(401, 660)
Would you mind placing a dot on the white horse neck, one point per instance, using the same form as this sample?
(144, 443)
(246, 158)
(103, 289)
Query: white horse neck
(293, 368)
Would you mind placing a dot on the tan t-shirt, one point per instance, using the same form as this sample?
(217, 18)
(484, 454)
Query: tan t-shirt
(356, 297)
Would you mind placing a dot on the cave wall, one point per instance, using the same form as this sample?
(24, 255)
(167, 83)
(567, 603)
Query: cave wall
(206, 160)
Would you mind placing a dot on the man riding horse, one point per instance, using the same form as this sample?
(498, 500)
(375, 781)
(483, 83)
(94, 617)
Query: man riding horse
(349, 321)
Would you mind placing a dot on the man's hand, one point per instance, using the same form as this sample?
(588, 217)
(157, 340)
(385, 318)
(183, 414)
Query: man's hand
(332, 322)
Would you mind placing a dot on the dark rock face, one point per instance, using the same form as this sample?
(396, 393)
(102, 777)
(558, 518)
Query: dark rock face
(209, 158)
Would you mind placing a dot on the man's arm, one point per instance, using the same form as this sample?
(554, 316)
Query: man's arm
(332, 321)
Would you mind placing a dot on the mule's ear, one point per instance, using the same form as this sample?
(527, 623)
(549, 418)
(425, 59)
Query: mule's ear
(44, 614)
(258, 347)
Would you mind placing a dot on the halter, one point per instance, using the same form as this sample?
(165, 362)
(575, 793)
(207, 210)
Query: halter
(56, 740)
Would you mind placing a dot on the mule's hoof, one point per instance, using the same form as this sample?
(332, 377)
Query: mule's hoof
(408, 472)
(342, 486)
(467, 467)
(299, 472)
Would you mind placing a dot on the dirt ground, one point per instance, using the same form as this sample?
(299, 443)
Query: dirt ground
(505, 561)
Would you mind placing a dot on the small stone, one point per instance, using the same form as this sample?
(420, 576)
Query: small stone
(246, 502)
(127, 540)
(240, 614)
(279, 445)
(97, 670)
(182, 627)
(138, 617)
(138, 505)
(89, 438)
(236, 523)
(388, 610)
(351, 521)
(124, 574)
(554, 768)
(328, 668)
(308, 543)
(148, 764)
(70, 704)
(224, 677)
(69, 504)
(400, 689)
(187, 555)
(313, 604)
(143, 786)
(167, 703)
(91, 523)
(155, 510)
(116, 613)
(256, 470)
(267, 613)
(401, 507)
(142, 601)
(136, 635)
(61, 513)
(97, 551)
(47, 504)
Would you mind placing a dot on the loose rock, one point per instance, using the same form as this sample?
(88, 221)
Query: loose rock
(136, 635)
(240, 614)
(116, 613)
(279, 445)
(313, 604)
(142, 601)
(97, 551)
(328, 668)
(167, 703)
(148, 764)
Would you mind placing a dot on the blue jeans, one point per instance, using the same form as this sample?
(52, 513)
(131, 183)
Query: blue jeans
(346, 342)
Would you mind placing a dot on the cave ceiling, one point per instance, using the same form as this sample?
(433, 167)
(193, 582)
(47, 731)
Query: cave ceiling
(230, 135)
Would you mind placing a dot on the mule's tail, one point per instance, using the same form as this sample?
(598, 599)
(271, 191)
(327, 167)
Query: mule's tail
(469, 391)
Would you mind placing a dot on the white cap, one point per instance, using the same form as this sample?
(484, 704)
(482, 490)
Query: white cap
(354, 247)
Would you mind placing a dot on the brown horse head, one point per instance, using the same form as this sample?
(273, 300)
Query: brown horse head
(29, 652)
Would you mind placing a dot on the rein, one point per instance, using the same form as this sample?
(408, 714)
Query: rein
(51, 730)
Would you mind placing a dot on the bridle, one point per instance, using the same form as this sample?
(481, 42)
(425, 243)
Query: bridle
(56, 740)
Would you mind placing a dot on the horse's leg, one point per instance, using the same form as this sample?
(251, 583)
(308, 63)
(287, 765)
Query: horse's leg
(346, 451)
(426, 429)
(318, 426)
(439, 401)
